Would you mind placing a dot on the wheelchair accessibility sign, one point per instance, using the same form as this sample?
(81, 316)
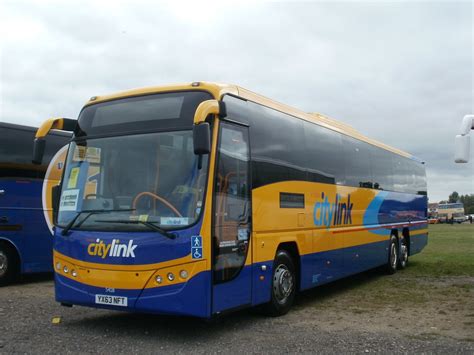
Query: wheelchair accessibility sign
(196, 247)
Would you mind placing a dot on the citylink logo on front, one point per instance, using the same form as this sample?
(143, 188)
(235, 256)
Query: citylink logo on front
(339, 212)
(114, 249)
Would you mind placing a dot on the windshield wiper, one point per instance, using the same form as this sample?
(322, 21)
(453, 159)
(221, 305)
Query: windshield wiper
(148, 224)
(90, 213)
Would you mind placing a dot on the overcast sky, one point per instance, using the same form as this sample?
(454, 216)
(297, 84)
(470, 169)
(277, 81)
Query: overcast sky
(400, 72)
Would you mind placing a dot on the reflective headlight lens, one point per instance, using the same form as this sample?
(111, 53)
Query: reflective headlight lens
(170, 276)
(74, 273)
(58, 266)
(183, 274)
(65, 269)
(159, 279)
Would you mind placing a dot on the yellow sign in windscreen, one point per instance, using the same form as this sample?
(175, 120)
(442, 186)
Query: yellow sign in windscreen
(72, 182)
(91, 154)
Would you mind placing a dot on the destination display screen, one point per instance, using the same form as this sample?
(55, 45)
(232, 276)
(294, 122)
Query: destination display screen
(165, 111)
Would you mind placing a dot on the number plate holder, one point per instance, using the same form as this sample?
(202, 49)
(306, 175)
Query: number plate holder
(111, 300)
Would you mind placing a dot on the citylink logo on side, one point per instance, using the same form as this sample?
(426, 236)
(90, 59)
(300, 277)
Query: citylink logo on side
(339, 212)
(114, 249)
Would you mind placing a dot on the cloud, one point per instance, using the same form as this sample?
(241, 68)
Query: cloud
(399, 72)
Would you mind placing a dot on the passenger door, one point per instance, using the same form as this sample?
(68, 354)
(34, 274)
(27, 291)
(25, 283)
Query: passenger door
(231, 220)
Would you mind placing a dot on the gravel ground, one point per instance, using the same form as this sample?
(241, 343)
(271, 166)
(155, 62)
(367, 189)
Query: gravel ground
(318, 323)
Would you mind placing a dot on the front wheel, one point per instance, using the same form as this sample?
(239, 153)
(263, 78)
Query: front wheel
(392, 261)
(283, 285)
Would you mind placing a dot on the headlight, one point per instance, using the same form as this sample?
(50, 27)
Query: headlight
(74, 273)
(65, 269)
(58, 266)
(170, 276)
(183, 274)
(159, 279)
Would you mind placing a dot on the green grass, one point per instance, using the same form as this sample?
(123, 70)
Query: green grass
(450, 252)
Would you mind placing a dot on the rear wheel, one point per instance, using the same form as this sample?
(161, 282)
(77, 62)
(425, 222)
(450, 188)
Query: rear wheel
(403, 258)
(392, 256)
(283, 285)
(8, 264)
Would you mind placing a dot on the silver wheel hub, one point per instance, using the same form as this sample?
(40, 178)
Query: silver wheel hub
(404, 253)
(3, 263)
(283, 283)
(393, 255)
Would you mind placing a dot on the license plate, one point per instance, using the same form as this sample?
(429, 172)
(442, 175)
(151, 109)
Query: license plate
(111, 300)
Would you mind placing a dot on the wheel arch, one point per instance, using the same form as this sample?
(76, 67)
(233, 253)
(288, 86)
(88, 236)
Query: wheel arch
(10, 243)
(292, 249)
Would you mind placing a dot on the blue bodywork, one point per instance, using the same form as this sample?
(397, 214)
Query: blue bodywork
(23, 223)
(188, 298)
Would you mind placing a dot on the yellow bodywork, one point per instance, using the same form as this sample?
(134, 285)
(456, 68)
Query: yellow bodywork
(52, 179)
(204, 109)
(273, 225)
(49, 124)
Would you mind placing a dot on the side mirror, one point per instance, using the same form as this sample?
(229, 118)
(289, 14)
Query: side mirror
(38, 150)
(462, 144)
(202, 138)
(55, 196)
(201, 128)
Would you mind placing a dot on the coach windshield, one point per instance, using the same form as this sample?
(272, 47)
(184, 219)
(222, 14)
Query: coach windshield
(132, 166)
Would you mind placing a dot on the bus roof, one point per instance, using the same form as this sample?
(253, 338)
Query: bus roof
(33, 129)
(218, 90)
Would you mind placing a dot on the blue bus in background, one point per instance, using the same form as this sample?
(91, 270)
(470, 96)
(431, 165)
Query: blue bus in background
(25, 200)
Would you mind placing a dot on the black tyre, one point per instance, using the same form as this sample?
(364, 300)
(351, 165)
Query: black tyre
(403, 257)
(283, 285)
(392, 261)
(8, 264)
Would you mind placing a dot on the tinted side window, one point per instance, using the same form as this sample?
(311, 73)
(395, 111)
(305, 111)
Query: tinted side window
(16, 145)
(277, 146)
(357, 165)
(16, 152)
(400, 179)
(409, 176)
(324, 155)
(16, 149)
(236, 109)
(420, 178)
(381, 167)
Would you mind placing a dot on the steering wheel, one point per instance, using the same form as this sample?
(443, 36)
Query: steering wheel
(156, 197)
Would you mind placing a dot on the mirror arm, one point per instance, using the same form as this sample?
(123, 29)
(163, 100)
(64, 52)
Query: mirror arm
(207, 108)
(65, 124)
(201, 129)
(467, 125)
